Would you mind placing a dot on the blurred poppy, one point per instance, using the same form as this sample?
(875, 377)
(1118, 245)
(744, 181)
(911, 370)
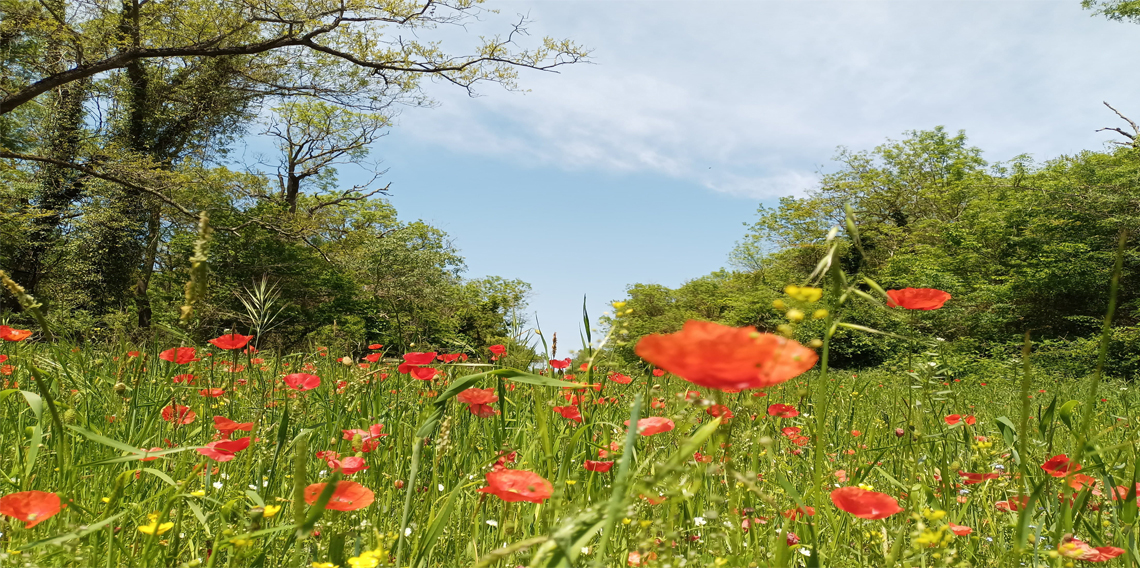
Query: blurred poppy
(1059, 466)
(799, 513)
(302, 381)
(960, 530)
(423, 373)
(973, 478)
(1074, 548)
(917, 298)
(722, 357)
(865, 504)
(13, 334)
(178, 414)
(212, 393)
(131, 354)
(186, 378)
(328, 455)
(569, 412)
(450, 357)
(372, 357)
(32, 507)
(653, 425)
(348, 466)
(560, 363)
(478, 401)
(970, 420)
(620, 378)
(498, 349)
(602, 466)
(952, 419)
(783, 411)
(373, 431)
(513, 485)
(790, 431)
(227, 426)
(376, 346)
(416, 359)
(231, 341)
(504, 459)
(347, 496)
(179, 355)
(224, 450)
(658, 373)
(657, 404)
(150, 458)
(717, 410)
(1013, 504)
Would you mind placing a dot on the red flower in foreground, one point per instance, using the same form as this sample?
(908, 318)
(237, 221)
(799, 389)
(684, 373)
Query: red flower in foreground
(224, 450)
(13, 334)
(970, 420)
(178, 414)
(960, 530)
(783, 411)
(972, 478)
(227, 426)
(865, 504)
(722, 357)
(602, 466)
(372, 357)
(560, 363)
(917, 298)
(952, 419)
(513, 485)
(32, 507)
(348, 496)
(569, 412)
(302, 381)
(1060, 466)
(653, 425)
(179, 355)
(498, 350)
(231, 341)
(479, 401)
(423, 373)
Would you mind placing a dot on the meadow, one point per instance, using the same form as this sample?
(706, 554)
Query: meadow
(749, 451)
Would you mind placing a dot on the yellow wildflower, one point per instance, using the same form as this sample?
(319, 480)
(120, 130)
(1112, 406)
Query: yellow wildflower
(271, 510)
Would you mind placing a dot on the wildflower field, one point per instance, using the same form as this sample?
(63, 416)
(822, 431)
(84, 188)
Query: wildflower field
(748, 451)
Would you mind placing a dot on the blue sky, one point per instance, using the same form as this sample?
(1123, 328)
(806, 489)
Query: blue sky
(644, 166)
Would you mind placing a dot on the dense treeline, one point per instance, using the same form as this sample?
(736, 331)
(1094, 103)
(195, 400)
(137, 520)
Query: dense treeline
(1022, 246)
(117, 125)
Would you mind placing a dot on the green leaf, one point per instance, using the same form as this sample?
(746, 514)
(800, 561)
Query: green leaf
(1065, 413)
(1008, 430)
(435, 529)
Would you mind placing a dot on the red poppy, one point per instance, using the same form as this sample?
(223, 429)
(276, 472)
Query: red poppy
(498, 349)
(231, 341)
(602, 466)
(719, 410)
(151, 458)
(960, 530)
(1060, 466)
(302, 381)
(799, 513)
(212, 393)
(1075, 548)
(179, 355)
(790, 431)
(783, 411)
(1079, 480)
(972, 478)
(32, 507)
(917, 298)
(865, 504)
(131, 354)
(373, 431)
(620, 378)
(560, 363)
(658, 373)
(328, 455)
(227, 426)
(952, 419)
(376, 346)
(654, 500)
(722, 357)
(569, 412)
(800, 441)
(416, 359)
(513, 485)
(185, 378)
(13, 334)
(184, 414)
(478, 401)
(372, 357)
(423, 373)
(970, 420)
(1013, 504)
(224, 450)
(348, 466)
(450, 357)
(653, 425)
(348, 496)
(3, 358)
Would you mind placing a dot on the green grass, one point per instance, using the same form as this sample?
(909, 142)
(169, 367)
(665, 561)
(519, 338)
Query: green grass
(755, 472)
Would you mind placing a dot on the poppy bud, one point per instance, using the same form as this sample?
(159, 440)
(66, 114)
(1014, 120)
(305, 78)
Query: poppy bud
(399, 484)
(899, 432)
(120, 388)
(792, 538)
